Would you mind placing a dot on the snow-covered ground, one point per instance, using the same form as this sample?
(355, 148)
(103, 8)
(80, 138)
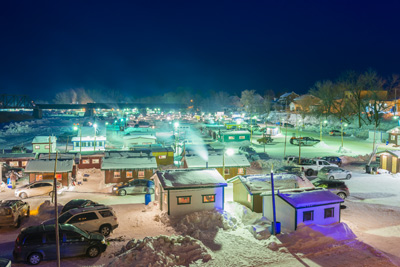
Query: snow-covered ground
(368, 235)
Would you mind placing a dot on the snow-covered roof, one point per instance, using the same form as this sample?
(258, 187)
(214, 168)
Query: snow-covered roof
(129, 137)
(60, 156)
(310, 198)
(127, 154)
(129, 163)
(256, 184)
(235, 132)
(17, 155)
(394, 130)
(190, 178)
(216, 161)
(48, 165)
(393, 152)
(88, 138)
(43, 139)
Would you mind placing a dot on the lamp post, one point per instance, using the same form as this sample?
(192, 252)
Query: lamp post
(80, 138)
(345, 125)
(229, 152)
(176, 125)
(95, 128)
(251, 129)
(320, 129)
(284, 151)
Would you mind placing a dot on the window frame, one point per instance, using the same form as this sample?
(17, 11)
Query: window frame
(117, 176)
(329, 209)
(312, 215)
(129, 174)
(85, 161)
(188, 203)
(240, 170)
(95, 161)
(141, 176)
(203, 196)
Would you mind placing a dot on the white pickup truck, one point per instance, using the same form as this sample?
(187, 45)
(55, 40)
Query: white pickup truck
(314, 165)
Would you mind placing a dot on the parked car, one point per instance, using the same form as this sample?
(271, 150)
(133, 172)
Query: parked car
(78, 203)
(290, 170)
(311, 167)
(100, 219)
(333, 160)
(336, 132)
(37, 243)
(12, 212)
(39, 188)
(333, 173)
(5, 262)
(337, 187)
(135, 186)
(247, 150)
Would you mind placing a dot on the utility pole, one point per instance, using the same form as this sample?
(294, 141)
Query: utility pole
(56, 212)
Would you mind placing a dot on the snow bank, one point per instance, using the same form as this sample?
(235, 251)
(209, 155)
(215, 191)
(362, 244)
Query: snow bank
(161, 251)
(343, 150)
(321, 145)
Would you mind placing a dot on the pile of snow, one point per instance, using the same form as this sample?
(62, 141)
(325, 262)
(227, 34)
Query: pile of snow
(357, 159)
(321, 145)
(343, 150)
(162, 251)
(382, 171)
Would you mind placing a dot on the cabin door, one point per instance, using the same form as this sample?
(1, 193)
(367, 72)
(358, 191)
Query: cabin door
(384, 159)
(394, 165)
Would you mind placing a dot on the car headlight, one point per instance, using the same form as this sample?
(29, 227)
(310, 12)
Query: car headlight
(103, 241)
(115, 188)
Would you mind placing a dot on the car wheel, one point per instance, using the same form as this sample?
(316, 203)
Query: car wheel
(93, 252)
(309, 172)
(331, 178)
(23, 195)
(122, 192)
(348, 176)
(17, 224)
(342, 195)
(105, 230)
(35, 258)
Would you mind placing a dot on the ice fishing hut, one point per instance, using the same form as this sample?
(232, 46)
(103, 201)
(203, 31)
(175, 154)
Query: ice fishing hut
(316, 206)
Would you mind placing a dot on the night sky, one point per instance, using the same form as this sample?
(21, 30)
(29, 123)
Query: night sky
(144, 48)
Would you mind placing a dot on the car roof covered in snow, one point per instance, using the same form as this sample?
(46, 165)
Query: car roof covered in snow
(216, 161)
(171, 179)
(310, 198)
(113, 163)
(41, 165)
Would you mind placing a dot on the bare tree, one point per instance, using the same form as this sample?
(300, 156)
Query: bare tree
(248, 100)
(325, 92)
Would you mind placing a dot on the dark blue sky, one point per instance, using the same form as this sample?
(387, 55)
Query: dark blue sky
(149, 47)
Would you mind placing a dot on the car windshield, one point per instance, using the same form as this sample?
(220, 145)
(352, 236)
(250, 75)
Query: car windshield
(84, 233)
(64, 217)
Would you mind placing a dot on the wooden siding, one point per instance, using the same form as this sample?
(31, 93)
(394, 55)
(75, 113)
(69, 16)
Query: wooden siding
(45, 176)
(90, 165)
(240, 194)
(109, 175)
(233, 171)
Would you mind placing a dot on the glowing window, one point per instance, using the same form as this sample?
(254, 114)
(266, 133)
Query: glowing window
(184, 200)
(24, 163)
(393, 137)
(308, 215)
(39, 177)
(95, 161)
(248, 198)
(129, 174)
(13, 163)
(117, 174)
(231, 137)
(59, 176)
(242, 137)
(162, 156)
(240, 171)
(329, 213)
(85, 161)
(37, 147)
(140, 174)
(47, 147)
(208, 198)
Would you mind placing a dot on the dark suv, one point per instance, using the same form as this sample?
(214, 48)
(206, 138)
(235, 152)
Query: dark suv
(337, 187)
(37, 243)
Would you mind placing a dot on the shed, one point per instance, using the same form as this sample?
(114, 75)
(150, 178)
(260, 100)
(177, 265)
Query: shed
(234, 136)
(389, 160)
(272, 130)
(90, 160)
(234, 165)
(394, 135)
(44, 169)
(124, 168)
(41, 144)
(247, 189)
(17, 159)
(317, 206)
(139, 140)
(181, 192)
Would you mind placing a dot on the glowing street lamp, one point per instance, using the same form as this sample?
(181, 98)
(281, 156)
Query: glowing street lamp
(229, 152)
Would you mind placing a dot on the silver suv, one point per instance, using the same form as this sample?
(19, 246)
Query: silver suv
(12, 212)
(100, 219)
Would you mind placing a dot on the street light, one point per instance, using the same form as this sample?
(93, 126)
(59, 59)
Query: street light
(229, 152)
(80, 136)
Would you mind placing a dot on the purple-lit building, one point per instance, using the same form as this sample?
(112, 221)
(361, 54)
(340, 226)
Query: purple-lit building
(319, 206)
(181, 192)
